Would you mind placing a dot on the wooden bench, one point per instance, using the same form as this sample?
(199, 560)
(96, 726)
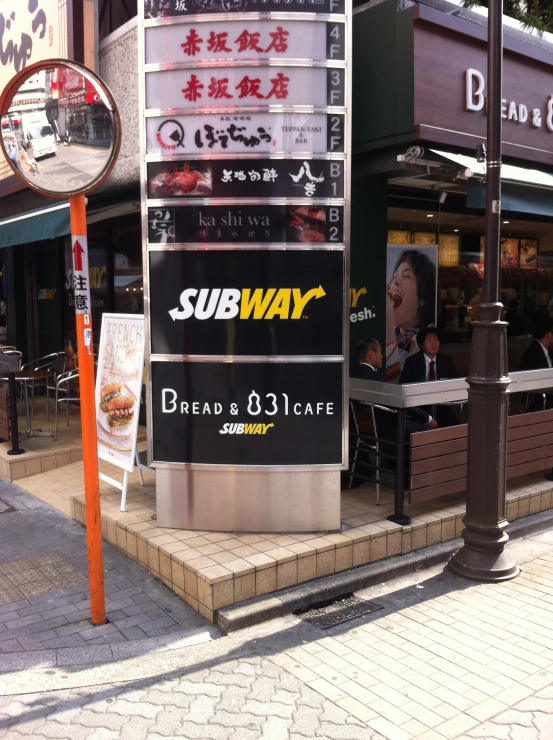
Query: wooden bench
(439, 457)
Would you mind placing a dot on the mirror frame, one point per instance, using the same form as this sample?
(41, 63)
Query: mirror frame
(13, 86)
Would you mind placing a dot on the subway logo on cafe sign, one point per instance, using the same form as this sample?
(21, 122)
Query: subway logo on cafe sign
(256, 303)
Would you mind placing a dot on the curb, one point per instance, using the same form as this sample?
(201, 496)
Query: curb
(282, 603)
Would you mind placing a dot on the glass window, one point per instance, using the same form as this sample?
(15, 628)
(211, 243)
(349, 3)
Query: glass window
(127, 266)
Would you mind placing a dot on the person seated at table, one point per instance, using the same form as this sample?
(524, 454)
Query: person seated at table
(538, 353)
(538, 357)
(429, 363)
(369, 367)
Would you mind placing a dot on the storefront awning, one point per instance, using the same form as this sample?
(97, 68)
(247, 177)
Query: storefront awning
(509, 172)
(514, 199)
(44, 223)
(53, 221)
(522, 190)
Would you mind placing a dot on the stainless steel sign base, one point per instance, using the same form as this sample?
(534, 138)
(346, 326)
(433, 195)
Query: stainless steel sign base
(248, 500)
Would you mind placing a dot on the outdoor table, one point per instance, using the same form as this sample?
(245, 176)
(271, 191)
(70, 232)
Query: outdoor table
(25, 376)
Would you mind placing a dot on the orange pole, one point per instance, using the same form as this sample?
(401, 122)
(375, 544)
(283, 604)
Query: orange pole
(88, 409)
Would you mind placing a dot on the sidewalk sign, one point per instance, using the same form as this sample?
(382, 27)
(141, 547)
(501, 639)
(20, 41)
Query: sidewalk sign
(118, 394)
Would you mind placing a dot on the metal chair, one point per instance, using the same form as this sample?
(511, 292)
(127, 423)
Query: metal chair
(54, 361)
(67, 384)
(59, 367)
(9, 353)
(364, 422)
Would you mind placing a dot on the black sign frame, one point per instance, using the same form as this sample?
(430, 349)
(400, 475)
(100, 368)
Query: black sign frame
(246, 303)
(249, 224)
(248, 414)
(239, 178)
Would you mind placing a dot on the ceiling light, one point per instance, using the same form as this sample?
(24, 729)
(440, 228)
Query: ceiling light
(505, 222)
(429, 215)
(455, 230)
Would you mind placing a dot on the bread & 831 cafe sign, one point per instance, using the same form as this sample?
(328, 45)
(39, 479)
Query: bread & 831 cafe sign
(247, 413)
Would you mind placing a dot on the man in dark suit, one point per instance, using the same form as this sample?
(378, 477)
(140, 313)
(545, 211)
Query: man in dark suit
(538, 353)
(431, 364)
(538, 357)
(369, 367)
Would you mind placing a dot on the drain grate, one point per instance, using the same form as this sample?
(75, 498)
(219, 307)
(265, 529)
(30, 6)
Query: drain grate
(336, 611)
(5, 508)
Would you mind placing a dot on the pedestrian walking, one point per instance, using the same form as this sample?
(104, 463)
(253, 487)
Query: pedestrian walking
(12, 153)
(31, 161)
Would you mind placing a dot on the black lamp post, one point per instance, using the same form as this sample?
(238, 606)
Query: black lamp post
(483, 555)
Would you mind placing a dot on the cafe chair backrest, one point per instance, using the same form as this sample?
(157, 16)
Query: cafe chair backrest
(364, 418)
(10, 361)
(59, 365)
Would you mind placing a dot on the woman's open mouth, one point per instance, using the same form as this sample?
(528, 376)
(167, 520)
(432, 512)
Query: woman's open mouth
(397, 300)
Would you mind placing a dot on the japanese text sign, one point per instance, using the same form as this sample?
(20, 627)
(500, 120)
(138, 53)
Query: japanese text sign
(244, 86)
(245, 41)
(81, 279)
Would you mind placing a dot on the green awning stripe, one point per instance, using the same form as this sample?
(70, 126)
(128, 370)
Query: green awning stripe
(35, 226)
(514, 198)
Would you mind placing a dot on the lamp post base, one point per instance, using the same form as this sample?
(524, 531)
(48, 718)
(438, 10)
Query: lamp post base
(483, 556)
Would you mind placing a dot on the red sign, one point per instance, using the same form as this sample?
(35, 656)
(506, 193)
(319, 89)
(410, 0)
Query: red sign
(85, 98)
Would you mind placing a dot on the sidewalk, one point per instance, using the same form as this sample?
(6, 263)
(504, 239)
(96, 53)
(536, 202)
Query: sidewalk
(442, 658)
(44, 606)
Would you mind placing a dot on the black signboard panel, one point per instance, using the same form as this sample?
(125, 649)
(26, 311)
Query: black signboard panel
(246, 224)
(172, 8)
(247, 413)
(246, 303)
(239, 178)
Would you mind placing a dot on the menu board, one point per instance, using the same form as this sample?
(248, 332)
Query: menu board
(119, 387)
(399, 237)
(448, 250)
(245, 153)
(528, 254)
(509, 252)
(425, 238)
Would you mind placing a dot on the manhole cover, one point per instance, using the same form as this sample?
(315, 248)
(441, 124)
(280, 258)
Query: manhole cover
(337, 611)
(5, 508)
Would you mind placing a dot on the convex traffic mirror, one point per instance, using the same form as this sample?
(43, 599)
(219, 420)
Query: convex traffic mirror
(60, 128)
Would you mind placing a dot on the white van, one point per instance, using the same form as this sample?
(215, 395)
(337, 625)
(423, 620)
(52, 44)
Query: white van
(36, 129)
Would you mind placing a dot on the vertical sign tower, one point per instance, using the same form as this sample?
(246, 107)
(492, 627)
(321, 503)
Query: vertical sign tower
(245, 176)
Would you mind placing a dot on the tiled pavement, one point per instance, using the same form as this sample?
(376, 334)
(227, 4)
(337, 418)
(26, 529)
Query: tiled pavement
(211, 570)
(444, 658)
(44, 606)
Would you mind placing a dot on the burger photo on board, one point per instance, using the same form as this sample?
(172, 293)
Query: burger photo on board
(108, 393)
(120, 411)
